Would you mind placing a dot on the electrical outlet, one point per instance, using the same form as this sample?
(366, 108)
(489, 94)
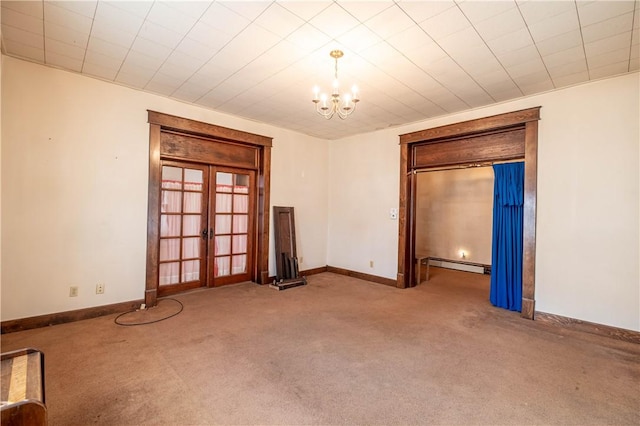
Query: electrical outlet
(100, 288)
(73, 291)
(371, 264)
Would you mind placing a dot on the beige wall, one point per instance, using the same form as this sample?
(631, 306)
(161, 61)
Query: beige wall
(588, 255)
(74, 187)
(454, 213)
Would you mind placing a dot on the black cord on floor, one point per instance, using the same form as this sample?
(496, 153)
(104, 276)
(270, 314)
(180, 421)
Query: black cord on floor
(148, 322)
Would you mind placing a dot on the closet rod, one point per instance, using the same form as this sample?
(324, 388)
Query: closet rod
(461, 166)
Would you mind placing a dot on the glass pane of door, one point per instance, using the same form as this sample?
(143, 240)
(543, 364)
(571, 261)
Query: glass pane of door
(232, 217)
(183, 218)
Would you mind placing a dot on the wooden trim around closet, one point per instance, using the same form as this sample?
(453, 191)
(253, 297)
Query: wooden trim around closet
(463, 137)
(529, 219)
(477, 126)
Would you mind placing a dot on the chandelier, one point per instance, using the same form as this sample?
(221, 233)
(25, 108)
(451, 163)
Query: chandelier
(343, 106)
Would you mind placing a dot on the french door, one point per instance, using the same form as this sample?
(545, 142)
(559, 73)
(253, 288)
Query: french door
(206, 226)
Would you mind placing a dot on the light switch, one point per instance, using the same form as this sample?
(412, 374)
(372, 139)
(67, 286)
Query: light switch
(393, 213)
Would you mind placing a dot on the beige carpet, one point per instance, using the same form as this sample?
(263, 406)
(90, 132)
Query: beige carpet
(337, 351)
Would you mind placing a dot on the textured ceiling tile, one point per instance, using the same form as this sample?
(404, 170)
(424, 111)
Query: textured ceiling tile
(565, 57)
(608, 28)
(334, 21)
(410, 39)
(190, 92)
(556, 25)
(511, 42)
(304, 9)
(66, 17)
(389, 22)
(134, 80)
(99, 60)
(193, 8)
(426, 55)
(60, 48)
(248, 9)
(84, 7)
(308, 37)
(506, 95)
(484, 65)
(63, 61)
(20, 50)
(526, 68)
(179, 72)
(534, 83)
(448, 22)
(364, 11)
(462, 40)
(538, 87)
(224, 19)
(99, 71)
(608, 58)
(107, 48)
(525, 54)
(560, 42)
(164, 85)
(162, 14)
(609, 70)
(160, 34)
(501, 25)
(567, 80)
(66, 35)
(570, 68)
(206, 35)
(194, 48)
(24, 37)
(359, 38)
(503, 89)
(137, 8)
(31, 8)
(140, 60)
(599, 47)
(478, 11)
(150, 48)
(115, 20)
(422, 10)
(28, 23)
(596, 11)
(279, 20)
(494, 78)
(103, 30)
(540, 10)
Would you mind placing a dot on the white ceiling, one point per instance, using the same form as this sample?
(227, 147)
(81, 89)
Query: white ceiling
(411, 60)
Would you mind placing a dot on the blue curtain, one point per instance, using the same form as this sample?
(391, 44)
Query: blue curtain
(506, 262)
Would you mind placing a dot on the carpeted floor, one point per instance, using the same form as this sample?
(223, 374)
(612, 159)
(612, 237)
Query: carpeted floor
(337, 351)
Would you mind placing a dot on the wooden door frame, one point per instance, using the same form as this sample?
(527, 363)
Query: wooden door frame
(527, 119)
(159, 122)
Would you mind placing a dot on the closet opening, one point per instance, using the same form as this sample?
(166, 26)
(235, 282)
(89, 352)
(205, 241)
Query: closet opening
(462, 225)
(501, 138)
